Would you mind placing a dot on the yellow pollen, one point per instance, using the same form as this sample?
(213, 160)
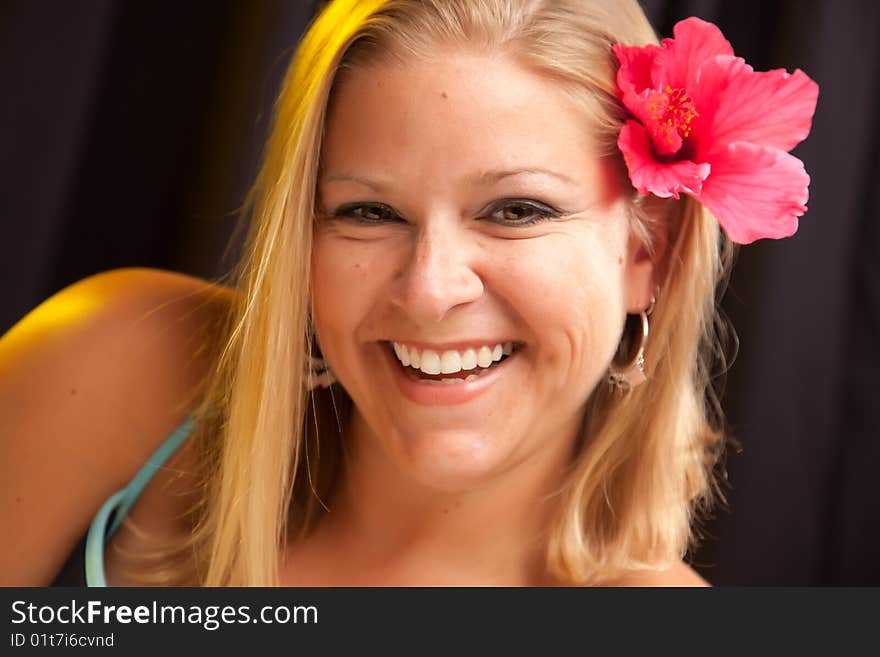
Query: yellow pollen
(672, 110)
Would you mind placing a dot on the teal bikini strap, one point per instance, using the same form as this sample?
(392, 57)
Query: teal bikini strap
(115, 509)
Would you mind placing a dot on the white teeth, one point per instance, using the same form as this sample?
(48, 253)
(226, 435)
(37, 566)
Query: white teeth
(484, 357)
(402, 353)
(430, 362)
(450, 362)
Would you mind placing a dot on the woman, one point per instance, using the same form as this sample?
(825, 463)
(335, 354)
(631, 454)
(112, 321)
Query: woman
(461, 348)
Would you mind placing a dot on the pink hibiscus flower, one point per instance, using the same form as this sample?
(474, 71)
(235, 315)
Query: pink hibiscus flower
(706, 124)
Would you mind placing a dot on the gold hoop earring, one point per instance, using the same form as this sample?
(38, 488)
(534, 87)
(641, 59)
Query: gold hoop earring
(631, 372)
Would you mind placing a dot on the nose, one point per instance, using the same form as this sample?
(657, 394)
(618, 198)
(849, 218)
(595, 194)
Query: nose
(438, 274)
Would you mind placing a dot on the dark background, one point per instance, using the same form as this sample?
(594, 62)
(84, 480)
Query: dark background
(130, 131)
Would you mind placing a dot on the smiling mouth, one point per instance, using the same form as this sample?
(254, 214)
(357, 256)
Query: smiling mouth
(415, 371)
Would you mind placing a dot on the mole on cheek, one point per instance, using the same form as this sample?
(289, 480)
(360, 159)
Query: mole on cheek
(443, 94)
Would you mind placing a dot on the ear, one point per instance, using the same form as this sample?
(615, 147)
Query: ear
(648, 250)
(641, 275)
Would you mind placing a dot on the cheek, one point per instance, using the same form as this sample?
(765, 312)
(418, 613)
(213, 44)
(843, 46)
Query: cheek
(348, 277)
(570, 291)
(337, 272)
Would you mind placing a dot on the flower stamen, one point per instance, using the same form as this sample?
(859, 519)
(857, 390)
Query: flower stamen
(671, 113)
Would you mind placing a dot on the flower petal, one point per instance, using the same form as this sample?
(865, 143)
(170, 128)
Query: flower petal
(771, 109)
(756, 192)
(695, 41)
(636, 72)
(650, 176)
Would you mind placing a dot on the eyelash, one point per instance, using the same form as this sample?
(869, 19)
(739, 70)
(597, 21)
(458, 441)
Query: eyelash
(538, 211)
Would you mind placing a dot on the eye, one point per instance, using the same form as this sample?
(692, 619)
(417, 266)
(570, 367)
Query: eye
(521, 212)
(367, 213)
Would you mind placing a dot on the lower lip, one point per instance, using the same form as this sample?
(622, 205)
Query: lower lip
(432, 394)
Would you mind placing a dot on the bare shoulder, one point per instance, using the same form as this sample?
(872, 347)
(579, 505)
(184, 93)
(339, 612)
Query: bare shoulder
(91, 382)
(680, 575)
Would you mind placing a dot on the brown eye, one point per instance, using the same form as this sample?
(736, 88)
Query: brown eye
(516, 213)
(521, 213)
(368, 213)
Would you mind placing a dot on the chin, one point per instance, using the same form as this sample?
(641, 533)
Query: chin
(450, 461)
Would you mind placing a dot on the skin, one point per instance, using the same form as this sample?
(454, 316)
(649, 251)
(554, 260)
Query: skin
(460, 494)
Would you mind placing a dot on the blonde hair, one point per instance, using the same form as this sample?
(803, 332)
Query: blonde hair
(646, 459)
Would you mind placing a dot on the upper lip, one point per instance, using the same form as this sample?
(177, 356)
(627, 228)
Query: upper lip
(457, 345)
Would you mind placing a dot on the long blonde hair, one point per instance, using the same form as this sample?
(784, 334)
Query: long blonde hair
(270, 448)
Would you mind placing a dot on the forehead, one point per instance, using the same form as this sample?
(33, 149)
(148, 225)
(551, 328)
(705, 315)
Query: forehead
(458, 113)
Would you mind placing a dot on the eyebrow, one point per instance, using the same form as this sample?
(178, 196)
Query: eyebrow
(480, 178)
(500, 174)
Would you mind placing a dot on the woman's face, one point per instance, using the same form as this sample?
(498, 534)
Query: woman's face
(462, 206)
